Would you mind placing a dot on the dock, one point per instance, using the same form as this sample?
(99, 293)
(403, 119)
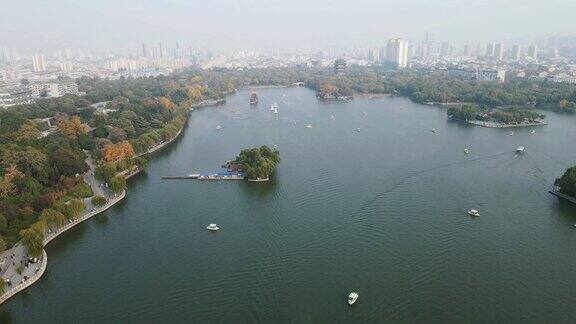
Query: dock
(223, 175)
(563, 196)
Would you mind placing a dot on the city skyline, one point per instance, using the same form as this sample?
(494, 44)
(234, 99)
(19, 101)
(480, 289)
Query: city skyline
(274, 25)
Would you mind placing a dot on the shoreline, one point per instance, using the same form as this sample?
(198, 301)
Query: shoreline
(498, 125)
(563, 196)
(44, 261)
(9, 293)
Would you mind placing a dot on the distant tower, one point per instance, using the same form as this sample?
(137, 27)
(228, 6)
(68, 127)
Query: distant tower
(533, 52)
(38, 63)
(160, 48)
(490, 50)
(516, 53)
(397, 52)
(144, 50)
(339, 66)
(499, 51)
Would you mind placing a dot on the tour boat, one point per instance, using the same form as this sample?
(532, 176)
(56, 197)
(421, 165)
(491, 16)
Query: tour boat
(332, 117)
(357, 130)
(532, 132)
(218, 127)
(309, 126)
(474, 212)
(520, 149)
(352, 298)
(272, 107)
(466, 151)
(433, 130)
(212, 227)
(511, 133)
(275, 111)
(253, 98)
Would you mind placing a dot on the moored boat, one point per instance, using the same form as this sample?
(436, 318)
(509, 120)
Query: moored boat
(352, 298)
(253, 98)
(212, 227)
(474, 212)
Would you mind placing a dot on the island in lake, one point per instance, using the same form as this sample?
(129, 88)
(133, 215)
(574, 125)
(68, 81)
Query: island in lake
(496, 118)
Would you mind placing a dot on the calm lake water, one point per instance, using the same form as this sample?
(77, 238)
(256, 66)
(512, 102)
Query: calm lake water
(381, 212)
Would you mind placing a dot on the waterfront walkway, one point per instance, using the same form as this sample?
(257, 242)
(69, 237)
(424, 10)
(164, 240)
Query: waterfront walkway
(16, 258)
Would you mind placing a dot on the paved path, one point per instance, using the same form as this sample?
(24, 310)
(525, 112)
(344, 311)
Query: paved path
(11, 260)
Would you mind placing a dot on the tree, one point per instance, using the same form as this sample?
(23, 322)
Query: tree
(99, 201)
(74, 208)
(166, 103)
(105, 171)
(3, 223)
(71, 127)
(50, 217)
(115, 152)
(117, 184)
(259, 162)
(567, 182)
(33, 238)
(67, 162)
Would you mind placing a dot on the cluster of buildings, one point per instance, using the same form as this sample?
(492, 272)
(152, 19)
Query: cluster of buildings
(21, 94)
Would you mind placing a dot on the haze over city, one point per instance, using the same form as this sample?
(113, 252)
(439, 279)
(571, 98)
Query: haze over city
(251, 161)
(115, 26)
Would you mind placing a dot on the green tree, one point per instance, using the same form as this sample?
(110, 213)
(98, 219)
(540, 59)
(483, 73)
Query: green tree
(99, 201)
(567, 182)
(117, 184)
(51, 217)
(33, 238)
(259, 162)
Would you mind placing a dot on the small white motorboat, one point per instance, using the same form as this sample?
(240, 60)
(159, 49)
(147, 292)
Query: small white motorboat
(357, 130)
(520, 150)
(532, 132)
(275, 146)
(271, 107)
(275, 111)
(212, 227)
(511, 133)
(332, 117)
(474, 212)
(352, 298)
(294, 123)
(309, 126)
(433, 130)
(218, 127)
(466, 151)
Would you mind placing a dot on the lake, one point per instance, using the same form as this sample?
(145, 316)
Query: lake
(381, 212)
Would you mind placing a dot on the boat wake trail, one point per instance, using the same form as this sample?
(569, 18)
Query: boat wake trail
(417, 173)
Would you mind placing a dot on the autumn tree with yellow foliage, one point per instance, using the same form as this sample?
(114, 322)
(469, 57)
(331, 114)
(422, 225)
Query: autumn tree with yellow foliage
(118, 151)
(167, 103)
(72, 127)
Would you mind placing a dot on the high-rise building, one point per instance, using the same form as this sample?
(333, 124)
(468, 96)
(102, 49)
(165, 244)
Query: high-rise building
(382, 54)
(490, 50)
(38, 63)
(499, 51)
(397, 52)
(444, 49)
(533, 52)
(516, 53)
(145, 52)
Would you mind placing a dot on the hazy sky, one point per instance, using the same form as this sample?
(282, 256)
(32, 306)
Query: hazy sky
(251, 24)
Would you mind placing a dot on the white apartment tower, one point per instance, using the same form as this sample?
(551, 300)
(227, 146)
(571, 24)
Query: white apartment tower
(516, 53)
(38, 63)
(533, 52)
(397, 52)
(499, 51)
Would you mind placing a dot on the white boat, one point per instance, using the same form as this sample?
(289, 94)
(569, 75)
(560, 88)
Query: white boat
(474, 212)
(275, 110)
(272, 107)
(332, 117)
(466, 151)
(433, 130)
(212, 227)
(532, 132)
(294, 123)
(309, 126)
(352, 298)
(357, 130)
(520, 149)
(511, 133)
(275, 146)
(218, 127)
